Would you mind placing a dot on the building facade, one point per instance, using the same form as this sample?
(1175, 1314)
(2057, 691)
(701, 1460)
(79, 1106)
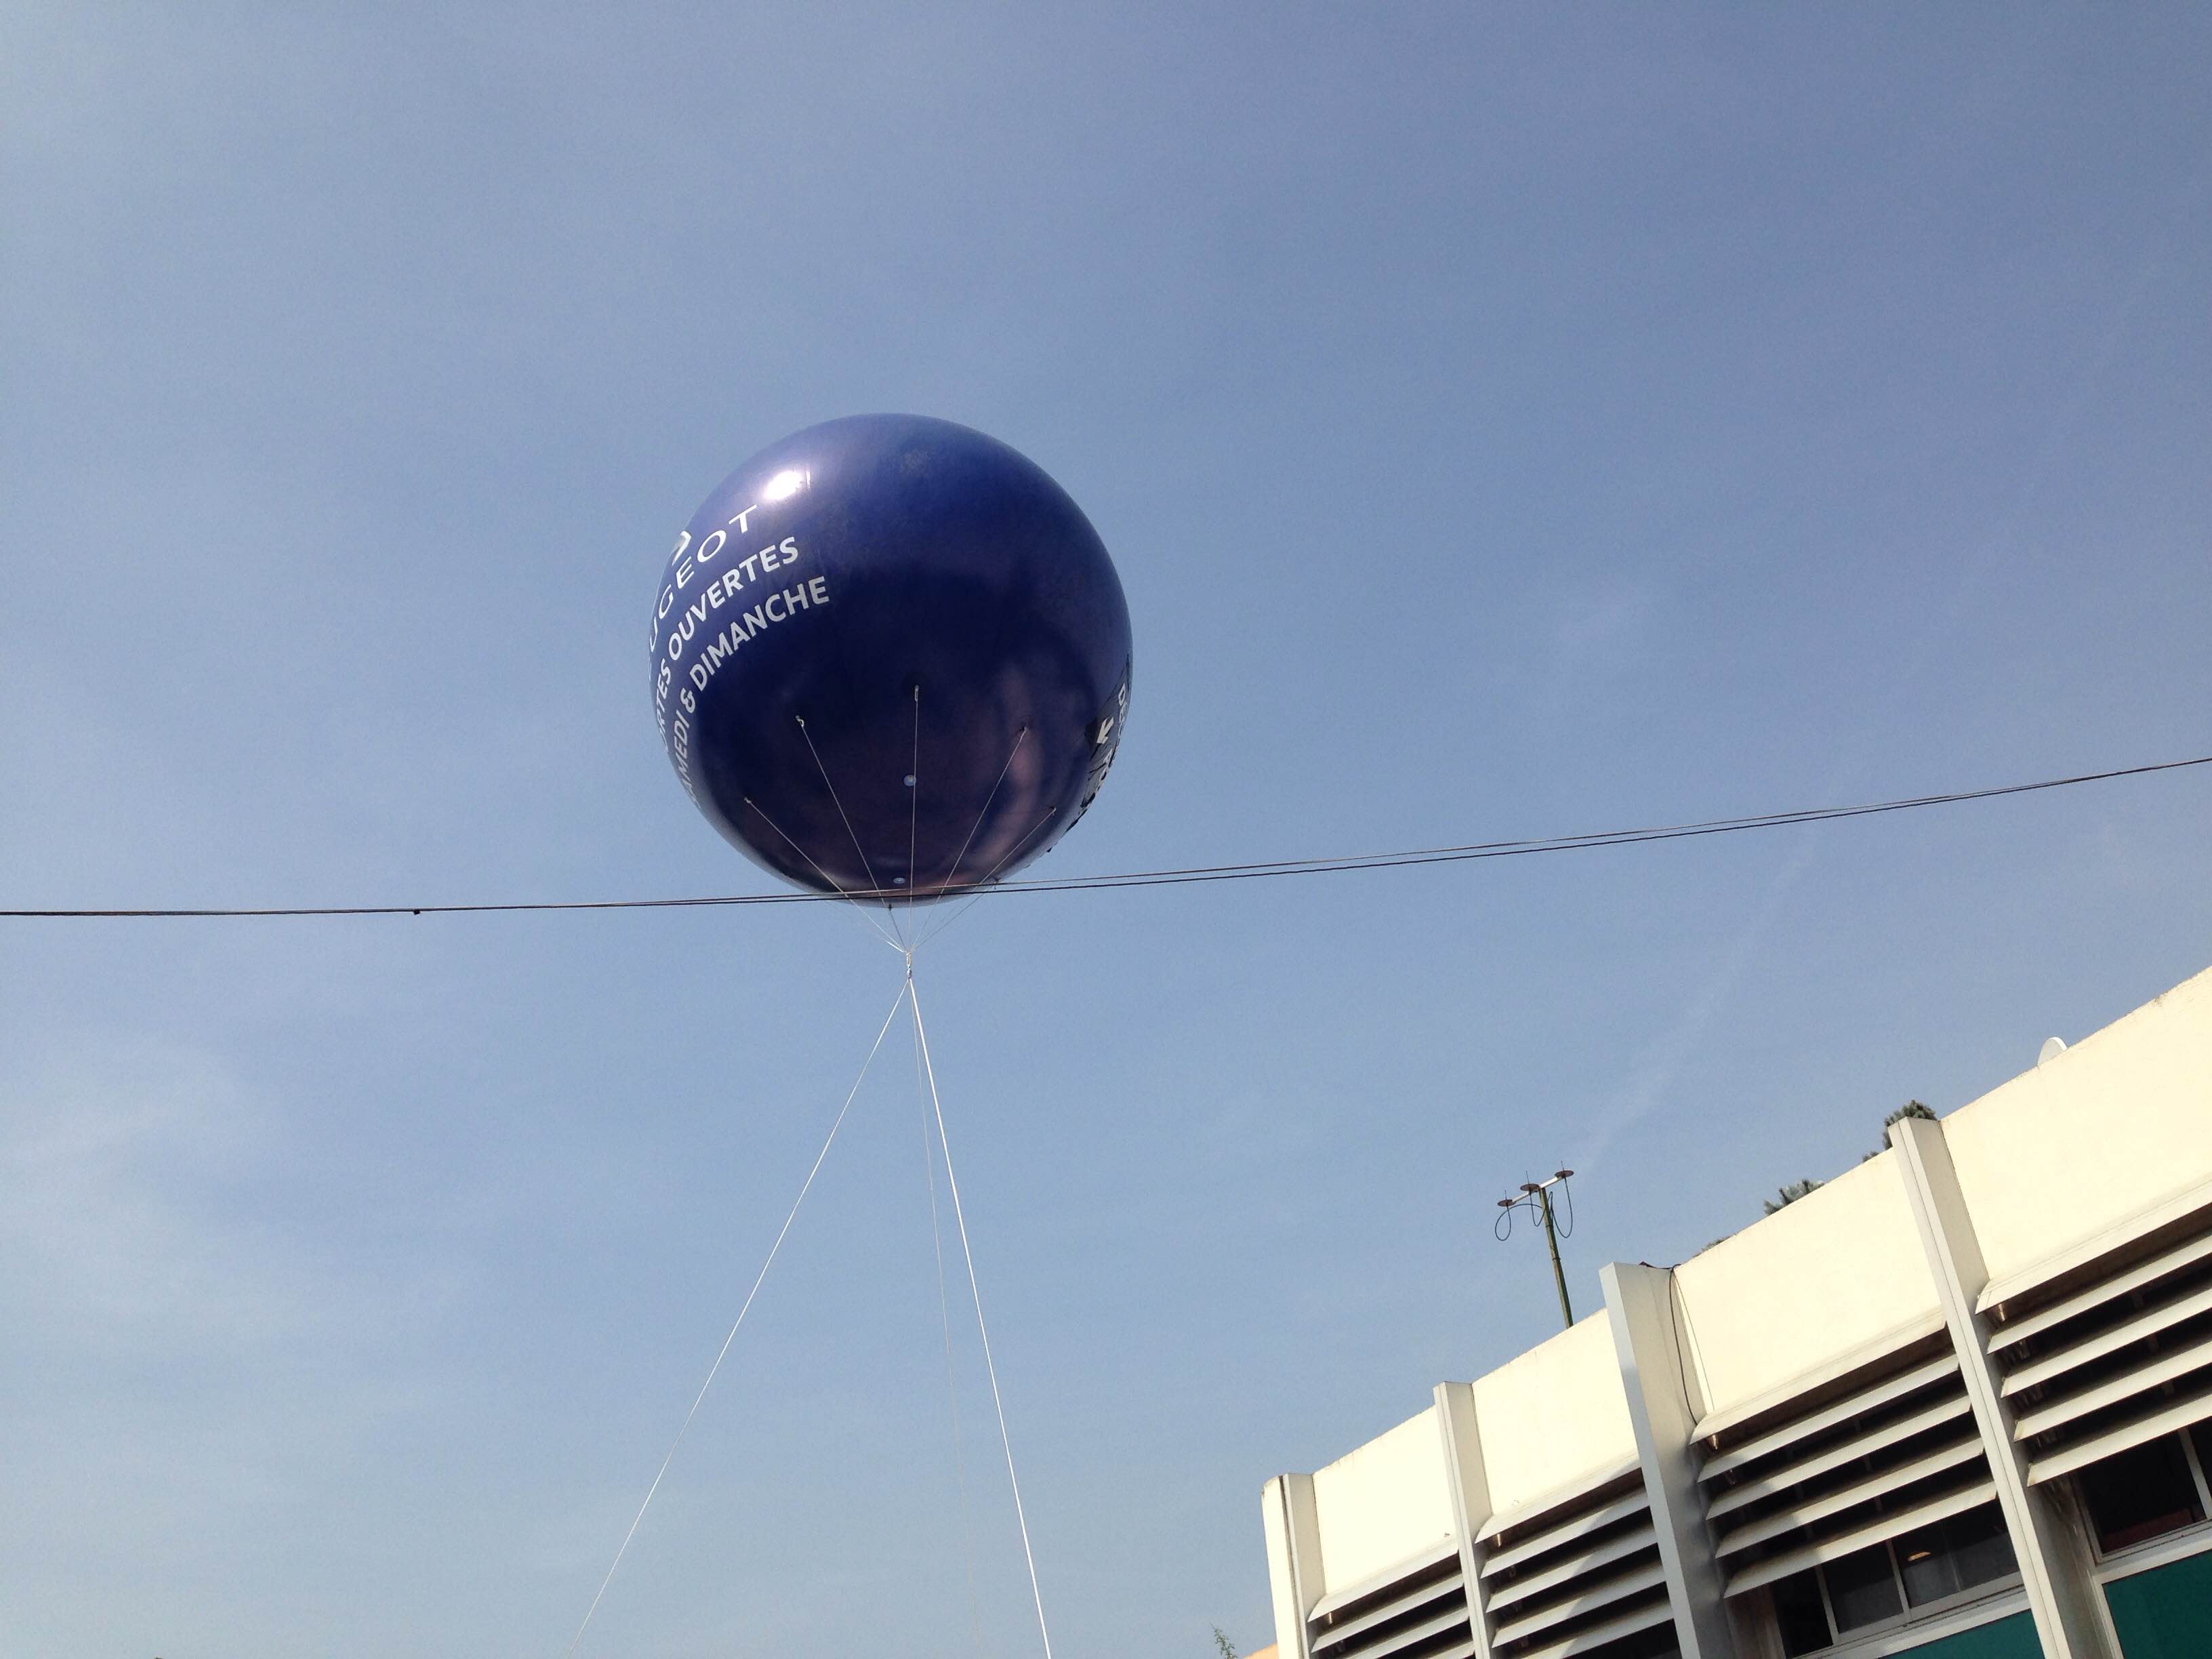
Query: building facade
(1956, 1403)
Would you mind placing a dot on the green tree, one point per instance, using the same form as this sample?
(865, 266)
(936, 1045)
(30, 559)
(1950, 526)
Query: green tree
(1797, 1189)
(1221, 1645)
(1911, 1108)
(1790, 1194)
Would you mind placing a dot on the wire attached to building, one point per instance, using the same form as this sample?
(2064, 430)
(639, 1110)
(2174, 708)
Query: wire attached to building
(1467, 853)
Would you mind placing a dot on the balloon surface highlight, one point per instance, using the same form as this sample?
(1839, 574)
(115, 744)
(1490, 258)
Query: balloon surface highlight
(890, 657)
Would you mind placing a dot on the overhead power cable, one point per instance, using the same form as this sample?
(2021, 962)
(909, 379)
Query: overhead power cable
(1466, 853)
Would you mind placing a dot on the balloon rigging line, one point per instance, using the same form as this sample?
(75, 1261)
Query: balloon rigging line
(905, 991)
(841, 891)
(914, 818)
(924, 938)
(1020, 737)
(975, 1291)
(869, 870)
(951, 1385)
(1164, 878)
(984, 886)
(881, 931)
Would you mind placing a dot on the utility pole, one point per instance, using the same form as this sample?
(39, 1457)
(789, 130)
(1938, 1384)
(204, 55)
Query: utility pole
(1536, 1196)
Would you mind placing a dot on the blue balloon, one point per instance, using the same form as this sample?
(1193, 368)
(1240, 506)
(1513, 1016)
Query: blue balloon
(890, 657)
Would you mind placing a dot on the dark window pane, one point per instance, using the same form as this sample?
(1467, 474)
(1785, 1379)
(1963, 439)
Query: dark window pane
(1658, 1644)
(1981, 1549)
(1925, 1561)
(2140, 1494)
(1953, 1555)
(2202, 1434)
(1861, 1589)
(1799, 1615)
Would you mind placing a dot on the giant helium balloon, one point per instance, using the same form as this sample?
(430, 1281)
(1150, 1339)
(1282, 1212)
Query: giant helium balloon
(891, 656)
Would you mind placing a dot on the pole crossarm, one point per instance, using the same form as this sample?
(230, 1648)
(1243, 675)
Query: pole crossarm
(1536, 1197)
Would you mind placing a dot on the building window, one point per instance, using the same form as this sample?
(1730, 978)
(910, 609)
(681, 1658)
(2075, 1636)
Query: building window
(1936, 1564)
(2147, 1491)
(1801, 1615)
(1862, 1589)
(1954, 1555)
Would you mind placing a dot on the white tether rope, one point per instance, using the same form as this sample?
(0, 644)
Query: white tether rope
(952, 1181)
(905, 991)
(952, 1381)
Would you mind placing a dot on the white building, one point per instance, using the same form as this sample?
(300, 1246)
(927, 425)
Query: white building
(1957, 1402)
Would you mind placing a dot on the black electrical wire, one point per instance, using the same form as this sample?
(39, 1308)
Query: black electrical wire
(1312, 867)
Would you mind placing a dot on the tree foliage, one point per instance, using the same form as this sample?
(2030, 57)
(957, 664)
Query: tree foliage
(1792, 1194)
(1797, 1189)
(1911, 1108)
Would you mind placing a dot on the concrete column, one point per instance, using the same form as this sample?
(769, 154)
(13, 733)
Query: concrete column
(1470, 1497)
(1294, 1576)
(1640, 1303)
(2072, 1620)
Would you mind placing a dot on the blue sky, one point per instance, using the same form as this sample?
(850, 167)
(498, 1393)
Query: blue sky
(1505, 420)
